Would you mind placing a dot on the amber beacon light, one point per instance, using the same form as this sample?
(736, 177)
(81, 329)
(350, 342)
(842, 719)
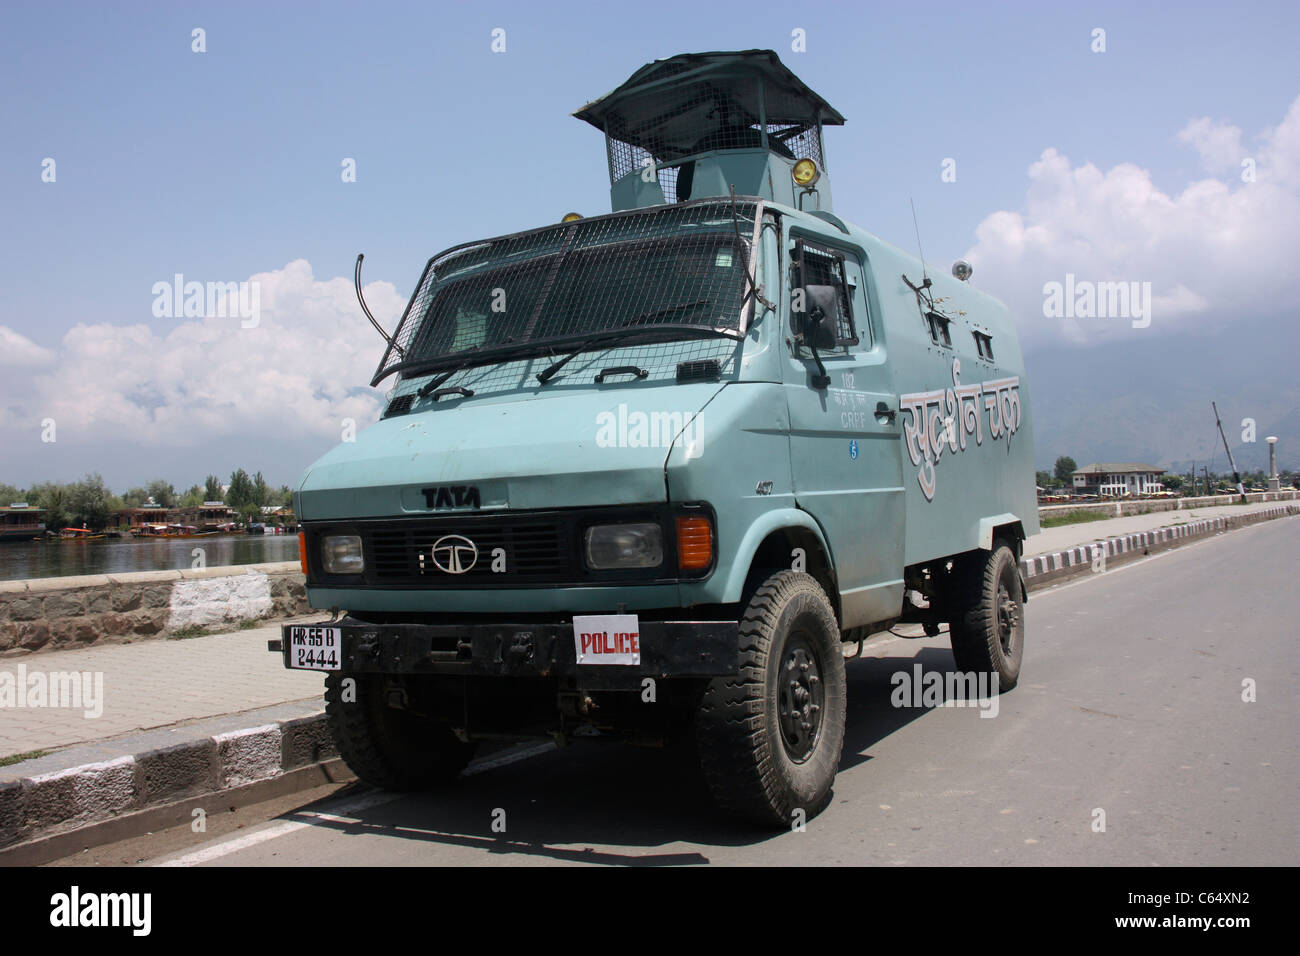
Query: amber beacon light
(805, 172)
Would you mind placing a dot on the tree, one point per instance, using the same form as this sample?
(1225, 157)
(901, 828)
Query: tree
(135, 497)
(9, 494)
(1044, 479)
(89, 502)
(240, 495)
(261, 490)
(1172, 482)
(285, 496)
(212, 489)
(162, 493)
(1065, 469)
(53, 497)
(193, 497)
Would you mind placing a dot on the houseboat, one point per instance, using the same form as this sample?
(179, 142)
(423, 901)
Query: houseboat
(21, 522)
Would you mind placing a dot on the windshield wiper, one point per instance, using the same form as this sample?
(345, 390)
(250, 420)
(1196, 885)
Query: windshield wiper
(425, 391)
(548, 373)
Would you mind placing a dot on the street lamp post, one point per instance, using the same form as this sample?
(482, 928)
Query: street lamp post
(1274, 483)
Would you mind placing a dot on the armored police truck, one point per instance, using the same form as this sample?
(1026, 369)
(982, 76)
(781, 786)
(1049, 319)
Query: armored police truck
(650, 473)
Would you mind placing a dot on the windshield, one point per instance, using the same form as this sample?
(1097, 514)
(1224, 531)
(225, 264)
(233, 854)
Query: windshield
(668, 267)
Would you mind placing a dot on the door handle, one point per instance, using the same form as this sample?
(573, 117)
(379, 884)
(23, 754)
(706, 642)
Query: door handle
(885, 412)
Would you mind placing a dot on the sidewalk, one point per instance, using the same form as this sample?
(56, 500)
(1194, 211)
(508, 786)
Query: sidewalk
(1050, 540)
(159, 683)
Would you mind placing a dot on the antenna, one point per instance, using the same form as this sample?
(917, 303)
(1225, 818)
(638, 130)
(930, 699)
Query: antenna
(366, 309)
(925, 279)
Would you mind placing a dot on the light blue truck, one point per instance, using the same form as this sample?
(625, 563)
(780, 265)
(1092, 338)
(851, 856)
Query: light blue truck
(647, 473)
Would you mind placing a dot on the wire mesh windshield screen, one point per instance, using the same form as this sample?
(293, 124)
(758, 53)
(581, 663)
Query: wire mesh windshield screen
(664, 272)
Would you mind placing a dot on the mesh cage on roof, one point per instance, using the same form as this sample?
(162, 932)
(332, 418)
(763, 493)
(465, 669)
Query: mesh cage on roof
(697, 102)
(680, 269)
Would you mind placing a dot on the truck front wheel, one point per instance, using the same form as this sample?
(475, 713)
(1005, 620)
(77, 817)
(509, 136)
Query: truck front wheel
(385, 746)
(988, 616)
(770, 737)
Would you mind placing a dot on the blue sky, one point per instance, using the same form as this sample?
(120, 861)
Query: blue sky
(226, 164)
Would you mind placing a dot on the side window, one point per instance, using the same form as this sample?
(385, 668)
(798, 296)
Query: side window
(984, 345)
(818, 284)
(939, 329)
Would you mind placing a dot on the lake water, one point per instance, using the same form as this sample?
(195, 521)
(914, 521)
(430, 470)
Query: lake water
(48, 559)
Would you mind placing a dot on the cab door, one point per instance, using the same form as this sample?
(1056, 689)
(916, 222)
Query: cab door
(845, 449)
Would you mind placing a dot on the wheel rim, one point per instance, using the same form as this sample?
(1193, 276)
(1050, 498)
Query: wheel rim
(801, 696)
(1008, 618)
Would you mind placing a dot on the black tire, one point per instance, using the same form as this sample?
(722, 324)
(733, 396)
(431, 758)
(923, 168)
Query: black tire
(987, 623)
(389, 748)
(760, 757)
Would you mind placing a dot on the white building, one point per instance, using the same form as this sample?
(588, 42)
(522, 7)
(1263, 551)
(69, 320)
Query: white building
(1118, 479)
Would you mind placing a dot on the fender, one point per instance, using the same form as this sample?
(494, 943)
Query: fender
(767, 523)
(994, 521)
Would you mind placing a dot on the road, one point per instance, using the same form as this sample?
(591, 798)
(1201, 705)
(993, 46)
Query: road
(1130, 702)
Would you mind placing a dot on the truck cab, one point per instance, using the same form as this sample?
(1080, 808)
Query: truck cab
(646, 473)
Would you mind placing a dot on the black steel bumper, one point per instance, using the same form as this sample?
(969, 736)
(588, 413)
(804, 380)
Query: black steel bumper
(668, 649)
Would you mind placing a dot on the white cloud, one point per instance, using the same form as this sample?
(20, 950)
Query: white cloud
(1218, 143)
(18, 350)
(303, 368)
(1219, 250)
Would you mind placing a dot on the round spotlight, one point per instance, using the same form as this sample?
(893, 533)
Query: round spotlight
(805, 173)
(962, 270)
(571, 217)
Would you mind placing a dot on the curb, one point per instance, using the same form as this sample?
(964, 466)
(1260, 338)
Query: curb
(1044, 570)
(44, 806)
(47, 804)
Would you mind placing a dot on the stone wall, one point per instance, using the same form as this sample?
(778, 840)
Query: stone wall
(56, 613)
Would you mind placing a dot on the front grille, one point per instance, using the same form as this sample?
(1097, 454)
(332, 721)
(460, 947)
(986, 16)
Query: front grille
(532, 549)
(539, 549)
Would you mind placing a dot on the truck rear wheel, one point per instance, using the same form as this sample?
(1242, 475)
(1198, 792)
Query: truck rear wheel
(770, 737)
(988, 618)
(387, 747)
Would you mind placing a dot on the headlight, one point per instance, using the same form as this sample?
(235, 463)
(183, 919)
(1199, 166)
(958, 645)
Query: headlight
(342, 554)
(610, 546)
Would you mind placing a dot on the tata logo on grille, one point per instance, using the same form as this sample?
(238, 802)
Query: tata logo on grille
(454, 554)
(451, 496)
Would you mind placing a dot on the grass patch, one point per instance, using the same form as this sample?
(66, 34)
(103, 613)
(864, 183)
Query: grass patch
(19, 758)
(183, 633)
(1078, 517)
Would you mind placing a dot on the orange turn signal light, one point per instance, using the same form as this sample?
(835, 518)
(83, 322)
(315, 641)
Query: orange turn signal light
(694, 543)
(302, 551)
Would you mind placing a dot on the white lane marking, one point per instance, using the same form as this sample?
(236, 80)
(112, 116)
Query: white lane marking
(504, 760)
(344, 812)
(225, 848)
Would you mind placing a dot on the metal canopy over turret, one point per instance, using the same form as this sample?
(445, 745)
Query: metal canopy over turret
(710, 121)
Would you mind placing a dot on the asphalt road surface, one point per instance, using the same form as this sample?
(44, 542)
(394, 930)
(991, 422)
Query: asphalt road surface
(1130, 702)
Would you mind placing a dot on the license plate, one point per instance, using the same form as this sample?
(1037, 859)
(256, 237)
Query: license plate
(607, 638)
(315, 648)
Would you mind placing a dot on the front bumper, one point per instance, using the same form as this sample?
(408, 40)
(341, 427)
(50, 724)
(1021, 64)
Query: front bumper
(668, 649)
